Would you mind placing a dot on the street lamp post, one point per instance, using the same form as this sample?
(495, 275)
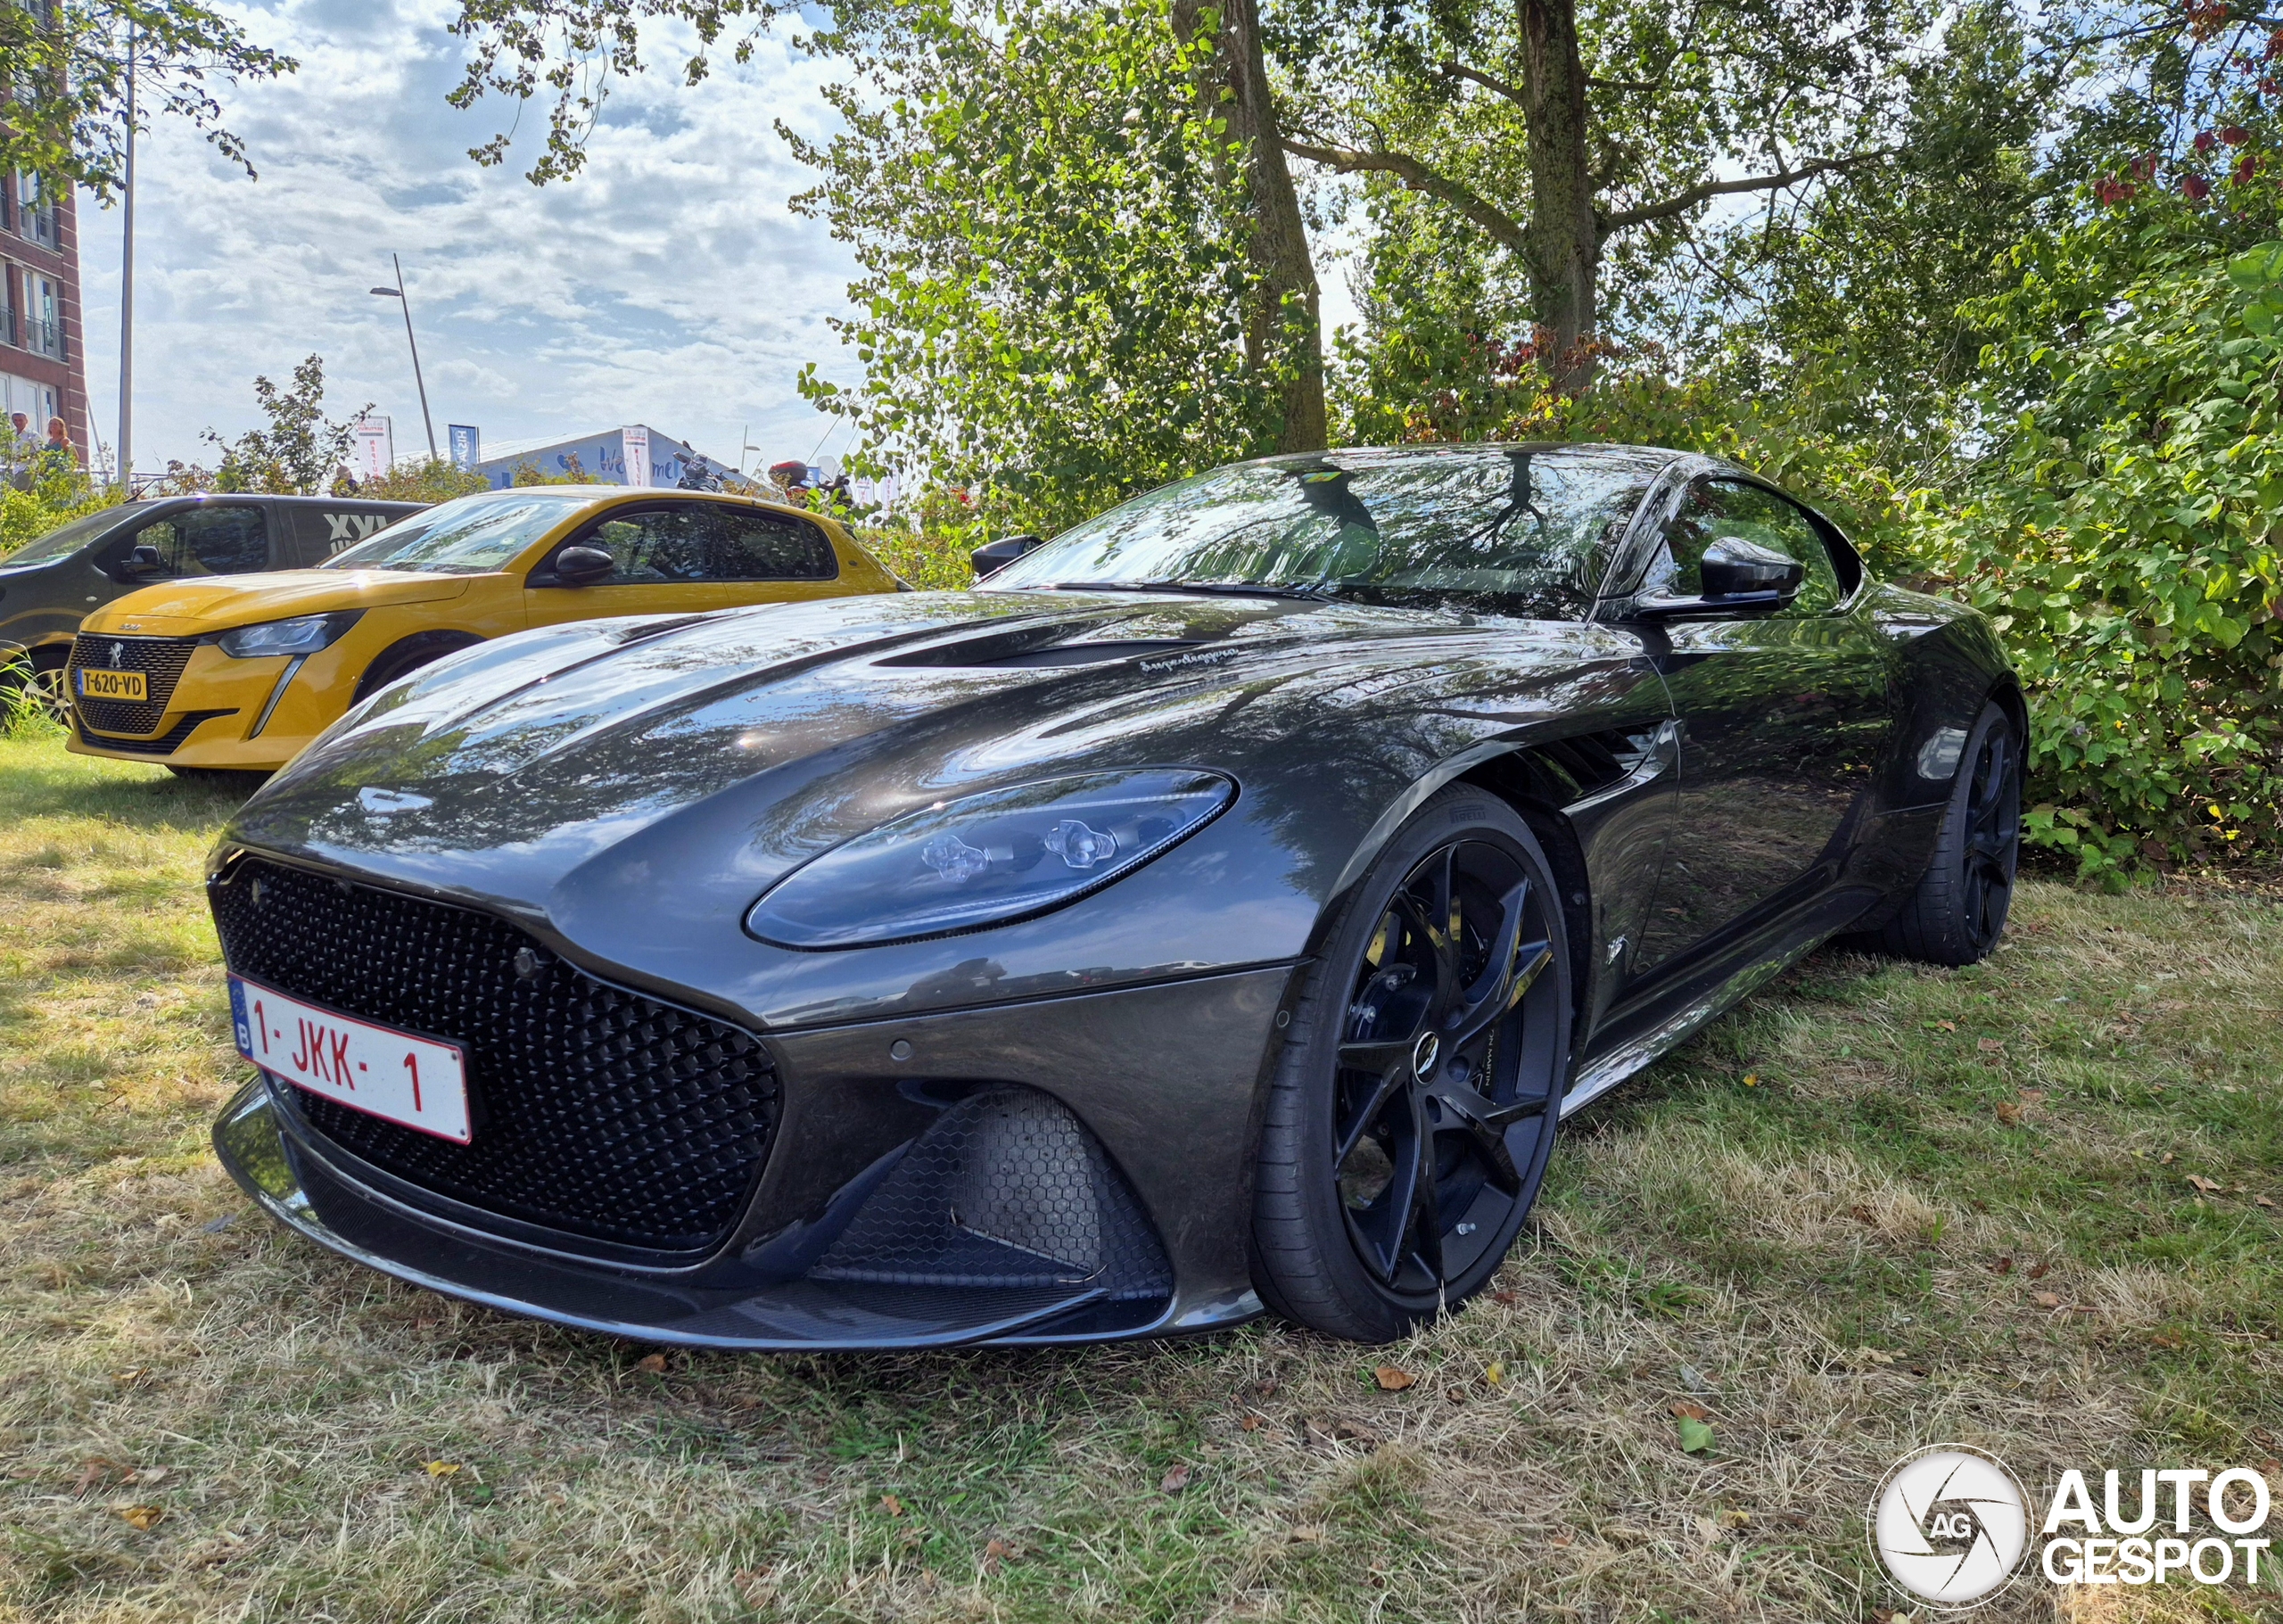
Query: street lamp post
(126, 296)
(396, 293)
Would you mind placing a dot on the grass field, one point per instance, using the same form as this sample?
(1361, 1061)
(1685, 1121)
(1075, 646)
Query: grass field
(1877, 1207)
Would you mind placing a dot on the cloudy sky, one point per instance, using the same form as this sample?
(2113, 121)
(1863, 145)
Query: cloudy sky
(669, 283)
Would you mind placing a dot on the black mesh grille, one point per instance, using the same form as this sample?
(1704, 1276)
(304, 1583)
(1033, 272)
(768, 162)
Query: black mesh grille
(598, 1112)
(160, 661)
(166, 744)
(1007, 1190)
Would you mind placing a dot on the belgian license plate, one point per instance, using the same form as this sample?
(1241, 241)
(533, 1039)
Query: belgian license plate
(416, 1081)
(113, 685)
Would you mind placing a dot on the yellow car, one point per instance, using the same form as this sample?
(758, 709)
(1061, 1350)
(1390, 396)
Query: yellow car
(239, 672)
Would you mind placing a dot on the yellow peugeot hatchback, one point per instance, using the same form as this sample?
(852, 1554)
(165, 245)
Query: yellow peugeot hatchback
(239, 672)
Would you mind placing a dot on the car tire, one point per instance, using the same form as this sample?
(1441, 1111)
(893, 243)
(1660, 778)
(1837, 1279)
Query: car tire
(1402, 1060)
(39, 672)
(403, 658)
(1958, 910)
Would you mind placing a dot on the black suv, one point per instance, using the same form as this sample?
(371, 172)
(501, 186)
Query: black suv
(49, 586)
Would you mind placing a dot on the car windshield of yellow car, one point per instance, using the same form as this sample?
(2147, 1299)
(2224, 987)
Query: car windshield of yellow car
(469, 537)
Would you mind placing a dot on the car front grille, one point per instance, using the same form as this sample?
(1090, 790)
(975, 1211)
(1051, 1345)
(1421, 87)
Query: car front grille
(165, 743)
(597, 1113)
(160, 661)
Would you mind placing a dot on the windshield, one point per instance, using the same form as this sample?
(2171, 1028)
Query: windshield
(1512, 530)
(468, 537)
(67, 539)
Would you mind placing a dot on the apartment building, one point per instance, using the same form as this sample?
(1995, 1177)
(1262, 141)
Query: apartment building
(43, 365)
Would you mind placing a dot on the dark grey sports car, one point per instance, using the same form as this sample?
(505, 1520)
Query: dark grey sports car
(1218, 908)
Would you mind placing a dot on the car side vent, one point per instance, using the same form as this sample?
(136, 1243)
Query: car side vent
(1007, 1190)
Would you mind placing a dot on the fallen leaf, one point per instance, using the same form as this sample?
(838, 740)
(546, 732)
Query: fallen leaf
(1696, 1437)
(2003, 1265)
(891, 1505)
(1692, 1411)
(2041, 1269)
(2169, 1338)
(2206, 1186)
(1736, 1519)
(1861, 1214)
(1990, 1045)
(95, 1472)
(1560, 1539)
(1506, 1298)
(2045, 1299)
(1494, 1372)
(2260, 1200)
(142, 1519)
(1948, 1025)
(655, 1364)
(2032, 1096)
(1305, 1534)
(1708, 1531)
(128, 1378)
(149, 1474)
(1175, 1481)
(1872, 1356)
(1752, 1079)
(995, 1552)
(1456, 1395)
(2009, 1113)
(2166, 1159)
(443, 1469)
(1251, 1423)
(1392, 1379)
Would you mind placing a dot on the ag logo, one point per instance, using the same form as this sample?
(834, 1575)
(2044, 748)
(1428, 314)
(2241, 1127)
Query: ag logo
(1949, 1525)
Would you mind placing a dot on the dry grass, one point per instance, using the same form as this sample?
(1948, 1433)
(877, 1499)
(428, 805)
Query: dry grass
(1814, 1257)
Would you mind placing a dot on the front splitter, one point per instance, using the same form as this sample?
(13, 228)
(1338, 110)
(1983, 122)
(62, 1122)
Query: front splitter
(366, 1227)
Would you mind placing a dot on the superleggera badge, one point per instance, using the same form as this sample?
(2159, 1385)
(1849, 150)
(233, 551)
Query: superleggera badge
(1204, 657)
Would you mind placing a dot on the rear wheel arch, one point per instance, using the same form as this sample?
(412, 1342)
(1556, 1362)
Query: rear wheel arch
(410, 654)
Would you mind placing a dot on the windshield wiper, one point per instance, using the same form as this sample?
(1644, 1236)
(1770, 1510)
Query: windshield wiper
(1224, 588)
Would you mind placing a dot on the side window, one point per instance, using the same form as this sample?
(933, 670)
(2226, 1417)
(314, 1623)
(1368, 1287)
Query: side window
(210, 541)
(326, 531)
(655, 546)
(771, 547)
(1715, 508)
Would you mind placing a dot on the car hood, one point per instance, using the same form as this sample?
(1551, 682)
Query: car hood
(666, 772)
(198, 604)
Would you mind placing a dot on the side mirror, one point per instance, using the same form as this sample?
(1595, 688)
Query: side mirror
(1735, 574)
(142, 559)
(1732, 564)
(579, 567)
(998, 554)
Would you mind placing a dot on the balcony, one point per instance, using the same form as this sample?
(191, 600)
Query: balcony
(41, 337)
(7, 327)
(39, 226)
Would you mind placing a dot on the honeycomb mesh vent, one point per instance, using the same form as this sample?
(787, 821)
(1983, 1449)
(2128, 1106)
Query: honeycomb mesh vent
(1008, 1189)
(160, 660)
(598, 1112)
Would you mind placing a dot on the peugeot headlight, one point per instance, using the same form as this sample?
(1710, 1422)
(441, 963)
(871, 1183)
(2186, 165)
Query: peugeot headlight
(303, 634)
(986, 859)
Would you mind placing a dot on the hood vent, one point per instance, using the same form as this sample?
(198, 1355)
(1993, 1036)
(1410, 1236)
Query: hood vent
(1025, 651)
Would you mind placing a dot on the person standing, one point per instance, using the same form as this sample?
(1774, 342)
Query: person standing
(58, 456)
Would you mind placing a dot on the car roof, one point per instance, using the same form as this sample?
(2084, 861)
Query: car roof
(1650, 459)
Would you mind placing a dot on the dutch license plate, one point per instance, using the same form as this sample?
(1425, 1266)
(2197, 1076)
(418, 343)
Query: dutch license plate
(415, 1081)
(113, 685)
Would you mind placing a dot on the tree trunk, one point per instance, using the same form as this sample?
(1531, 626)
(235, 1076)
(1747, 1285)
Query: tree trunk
(1564, 253)
(1283, 327)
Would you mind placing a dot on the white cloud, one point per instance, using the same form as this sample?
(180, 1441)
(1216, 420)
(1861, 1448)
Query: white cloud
(667, 284)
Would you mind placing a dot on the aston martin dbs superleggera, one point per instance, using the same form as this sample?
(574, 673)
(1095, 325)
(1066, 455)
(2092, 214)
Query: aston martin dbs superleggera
(1218, 908)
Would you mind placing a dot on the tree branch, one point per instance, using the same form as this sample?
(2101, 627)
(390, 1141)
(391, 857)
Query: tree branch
(1683, 202)
(1489, 81)
(1502, 226)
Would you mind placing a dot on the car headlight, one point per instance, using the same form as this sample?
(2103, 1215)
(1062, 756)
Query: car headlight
(986, 859)
(303, 634)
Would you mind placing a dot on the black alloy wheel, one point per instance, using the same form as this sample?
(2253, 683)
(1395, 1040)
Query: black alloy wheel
(1416, 1105)
(1957, 910)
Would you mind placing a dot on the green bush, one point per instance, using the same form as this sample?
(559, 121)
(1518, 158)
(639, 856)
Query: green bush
(2126, 545)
